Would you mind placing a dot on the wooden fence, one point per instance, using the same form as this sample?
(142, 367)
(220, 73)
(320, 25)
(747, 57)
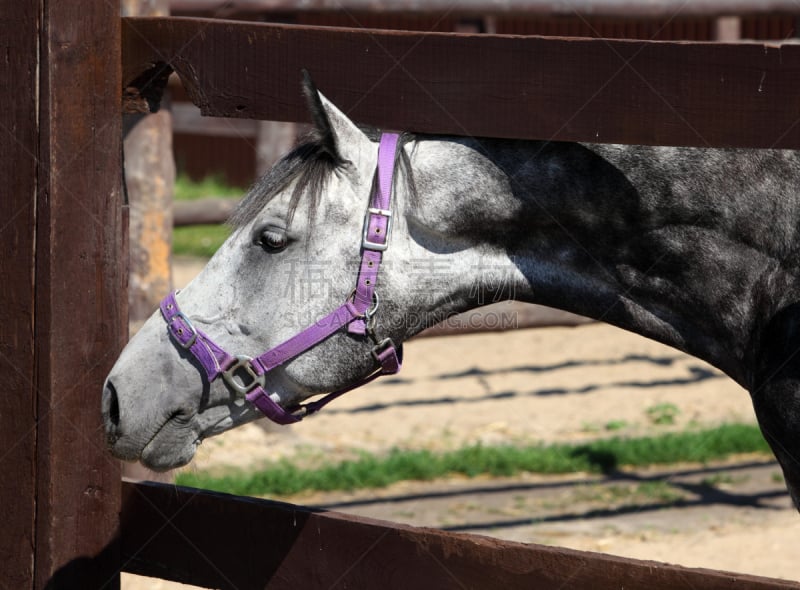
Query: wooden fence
(63, 309)
(62, 300)
(633, 92)
(239, 150)
(240, 543)
(655, 93)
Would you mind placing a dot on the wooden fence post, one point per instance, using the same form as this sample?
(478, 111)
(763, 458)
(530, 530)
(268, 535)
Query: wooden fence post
(728, 29)
(275, 138)
(62, 294)
(150, 182)
(18, 148)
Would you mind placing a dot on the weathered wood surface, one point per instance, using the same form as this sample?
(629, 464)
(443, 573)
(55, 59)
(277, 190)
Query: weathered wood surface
(231, 542)
(80, 291)
(584, 8)
(62, 291)
(660, 93)
(18, 149)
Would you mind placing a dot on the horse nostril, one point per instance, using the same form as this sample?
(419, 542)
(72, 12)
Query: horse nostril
(110, 407)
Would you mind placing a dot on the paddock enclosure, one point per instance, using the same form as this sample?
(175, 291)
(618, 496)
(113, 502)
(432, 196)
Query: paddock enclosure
(72, 67)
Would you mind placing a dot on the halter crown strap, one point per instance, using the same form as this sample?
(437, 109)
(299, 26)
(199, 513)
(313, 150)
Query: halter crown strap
(247, 375)
(375, 235)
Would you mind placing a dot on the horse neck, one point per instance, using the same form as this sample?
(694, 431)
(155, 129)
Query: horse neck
(642, 238)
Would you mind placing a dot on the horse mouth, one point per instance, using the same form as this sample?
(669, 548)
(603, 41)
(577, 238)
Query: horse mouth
(175, 442)
(170, 445)
(173, 445)
(162, 453)
(163, 442)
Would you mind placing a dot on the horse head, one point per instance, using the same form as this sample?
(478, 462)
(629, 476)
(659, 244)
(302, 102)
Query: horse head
(303, 277)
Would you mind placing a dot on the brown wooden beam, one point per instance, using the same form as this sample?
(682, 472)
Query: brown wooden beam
(60, 236)
(221, 541)
(62, 291)
(662, 93)
(150, 184)
(584, 8)
(18, 148)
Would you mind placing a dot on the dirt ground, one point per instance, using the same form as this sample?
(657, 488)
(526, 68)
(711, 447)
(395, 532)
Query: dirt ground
(550, 384)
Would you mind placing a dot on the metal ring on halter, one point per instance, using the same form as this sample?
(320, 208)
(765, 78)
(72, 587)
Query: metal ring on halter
(243, 368)
(369, 317)
(370, 313)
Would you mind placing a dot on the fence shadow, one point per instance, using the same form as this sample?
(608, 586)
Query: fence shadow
(698, 374)
(693, 481)
(658, 361)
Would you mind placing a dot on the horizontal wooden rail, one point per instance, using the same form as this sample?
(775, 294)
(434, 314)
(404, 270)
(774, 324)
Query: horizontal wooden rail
(220, 541)
(657, 93)
(584, 8)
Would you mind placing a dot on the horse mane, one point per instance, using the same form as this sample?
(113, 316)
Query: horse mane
(310, 164)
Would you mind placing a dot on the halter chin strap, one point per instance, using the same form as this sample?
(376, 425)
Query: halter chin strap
(247, 375)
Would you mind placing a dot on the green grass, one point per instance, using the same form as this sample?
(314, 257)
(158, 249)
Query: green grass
(370, 471)
(201, 240)
(187, 189)
(663, 414)
(612, 425)
(626, 493)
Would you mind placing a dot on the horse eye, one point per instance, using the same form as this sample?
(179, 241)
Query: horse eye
(273, 240)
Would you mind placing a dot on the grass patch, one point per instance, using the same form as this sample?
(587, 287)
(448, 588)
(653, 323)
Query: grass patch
(187, 189)
(612, 425)
(663, 414)
(199, 240)
(370, 471)
(626, 494)
(721, 480)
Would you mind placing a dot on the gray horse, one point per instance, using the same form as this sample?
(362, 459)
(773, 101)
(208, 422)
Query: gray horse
(696, 248)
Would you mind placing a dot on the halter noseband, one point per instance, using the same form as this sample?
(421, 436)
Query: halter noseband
(246, 375)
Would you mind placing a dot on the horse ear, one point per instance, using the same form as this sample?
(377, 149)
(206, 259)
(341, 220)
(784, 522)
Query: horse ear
(338, 135)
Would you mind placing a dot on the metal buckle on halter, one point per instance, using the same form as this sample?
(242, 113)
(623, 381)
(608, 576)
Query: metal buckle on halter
(381, 347)
(179, 331)
(238, 384)
(365, 241)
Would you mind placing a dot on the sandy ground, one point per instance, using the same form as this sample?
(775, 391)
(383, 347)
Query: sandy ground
(553, 384)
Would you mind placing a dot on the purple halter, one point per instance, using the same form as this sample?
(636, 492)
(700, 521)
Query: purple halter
(246, 375)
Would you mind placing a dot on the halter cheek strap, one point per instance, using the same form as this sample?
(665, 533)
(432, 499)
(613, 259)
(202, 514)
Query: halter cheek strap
(247, 375)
